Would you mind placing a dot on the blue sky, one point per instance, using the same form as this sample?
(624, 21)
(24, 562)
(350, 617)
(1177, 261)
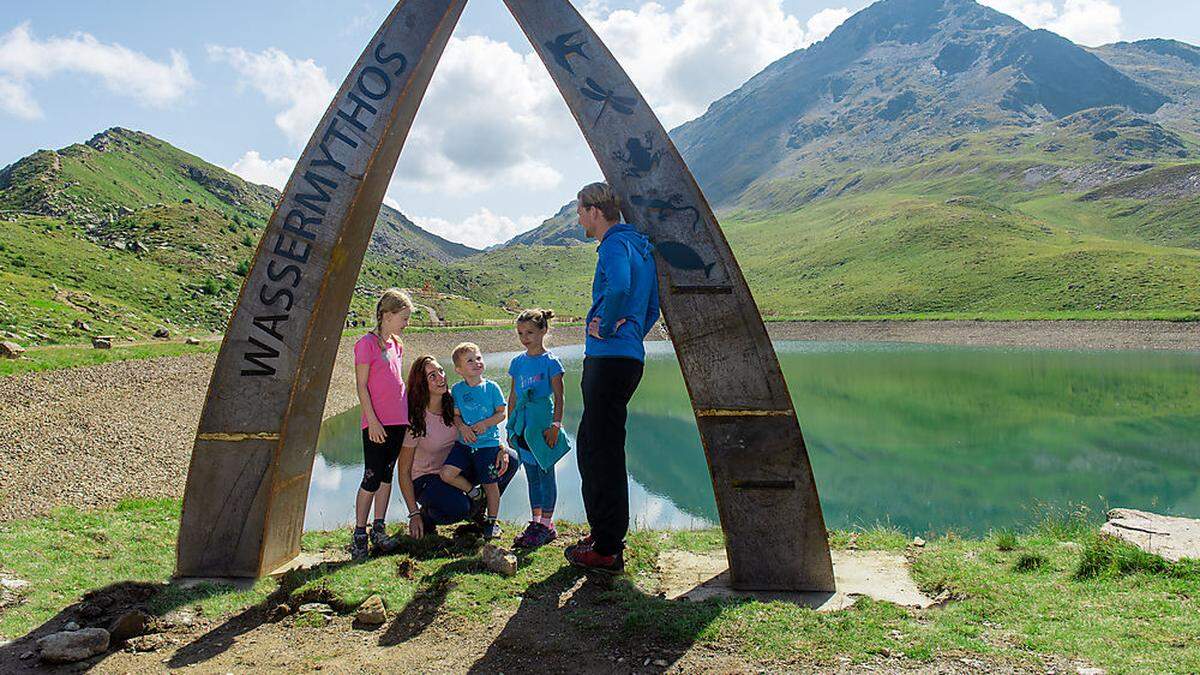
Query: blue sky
(493, 151)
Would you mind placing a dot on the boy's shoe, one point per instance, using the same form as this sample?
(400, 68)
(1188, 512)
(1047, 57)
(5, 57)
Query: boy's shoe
(358, 546)
(491, 530)
(584, 556)
(478, 511)
(529, 537)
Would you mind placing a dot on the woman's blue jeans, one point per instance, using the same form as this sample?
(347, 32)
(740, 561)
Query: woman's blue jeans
(444, 504)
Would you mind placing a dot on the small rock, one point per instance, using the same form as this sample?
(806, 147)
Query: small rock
(918, 542)
(162, 334)
(191, 341)
(146, 643)
(278, 613)
(661, 663)
(80, 324)
(69, 647)
(71, 626)
(28, 655)
(11, 350)
(318, 607)
(129, 625)
(181, 617)
(1090, 671)
(372, 612)
(102, 343)
(13, 584)
(499, 560)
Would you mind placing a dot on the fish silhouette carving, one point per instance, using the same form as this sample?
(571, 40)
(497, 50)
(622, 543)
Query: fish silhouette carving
(683, 257)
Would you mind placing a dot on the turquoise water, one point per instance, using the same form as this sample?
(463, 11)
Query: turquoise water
(925, 438)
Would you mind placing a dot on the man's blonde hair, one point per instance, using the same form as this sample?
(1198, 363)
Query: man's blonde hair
(462, 349)
(601, 196)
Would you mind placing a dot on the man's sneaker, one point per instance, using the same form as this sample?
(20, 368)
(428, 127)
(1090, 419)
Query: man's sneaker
(491, 529)
(581, 555)
(528, 538)
(358, 546)
(378, 537)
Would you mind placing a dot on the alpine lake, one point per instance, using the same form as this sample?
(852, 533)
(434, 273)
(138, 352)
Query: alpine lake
(927, 439)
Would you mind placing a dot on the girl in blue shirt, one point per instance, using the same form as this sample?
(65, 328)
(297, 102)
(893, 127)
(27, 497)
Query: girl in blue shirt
(537, 377)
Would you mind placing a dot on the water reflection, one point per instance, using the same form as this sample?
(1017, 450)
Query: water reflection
(925, 438)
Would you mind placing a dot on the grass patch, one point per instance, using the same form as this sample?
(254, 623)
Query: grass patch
(1006, 540)
(1128, 612)
(55, 358)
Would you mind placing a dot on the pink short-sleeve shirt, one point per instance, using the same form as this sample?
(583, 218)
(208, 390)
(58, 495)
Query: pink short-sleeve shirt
(433, 447)
(385, 380)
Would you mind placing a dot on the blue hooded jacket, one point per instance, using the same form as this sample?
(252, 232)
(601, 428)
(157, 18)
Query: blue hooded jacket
(625, 287)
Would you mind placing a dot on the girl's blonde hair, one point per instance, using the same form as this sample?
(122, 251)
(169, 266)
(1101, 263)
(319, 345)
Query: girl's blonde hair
(391, 300)
(538, 317)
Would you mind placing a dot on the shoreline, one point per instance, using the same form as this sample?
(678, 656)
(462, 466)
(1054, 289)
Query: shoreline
(128, 426)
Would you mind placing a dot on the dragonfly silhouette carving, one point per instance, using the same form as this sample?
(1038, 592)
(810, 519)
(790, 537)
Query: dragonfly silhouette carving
(596, 92)
(563, 46)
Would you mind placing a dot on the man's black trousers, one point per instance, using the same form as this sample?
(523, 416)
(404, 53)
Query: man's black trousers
(608, 384)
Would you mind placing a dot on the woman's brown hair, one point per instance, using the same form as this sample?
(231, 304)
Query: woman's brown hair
(418, 397)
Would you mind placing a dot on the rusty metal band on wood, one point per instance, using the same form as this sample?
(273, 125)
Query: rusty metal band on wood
(244, 507)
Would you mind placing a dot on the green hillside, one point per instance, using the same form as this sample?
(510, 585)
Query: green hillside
(127, 234)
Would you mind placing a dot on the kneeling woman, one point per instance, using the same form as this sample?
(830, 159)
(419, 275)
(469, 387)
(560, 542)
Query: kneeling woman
(431, 434)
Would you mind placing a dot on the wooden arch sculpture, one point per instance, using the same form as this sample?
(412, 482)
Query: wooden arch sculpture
(248, 482)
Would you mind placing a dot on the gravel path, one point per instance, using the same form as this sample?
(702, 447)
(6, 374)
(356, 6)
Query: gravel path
(89, 437)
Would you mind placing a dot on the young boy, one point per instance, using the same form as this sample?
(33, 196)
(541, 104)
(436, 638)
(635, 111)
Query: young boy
(479, 408)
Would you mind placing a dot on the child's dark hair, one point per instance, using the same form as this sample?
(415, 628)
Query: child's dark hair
(538, 317)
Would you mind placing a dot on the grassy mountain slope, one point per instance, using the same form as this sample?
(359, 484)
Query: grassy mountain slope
(127, 234)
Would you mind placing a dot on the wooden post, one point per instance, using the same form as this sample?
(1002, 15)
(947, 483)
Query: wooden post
(243, 508)
(766, 497)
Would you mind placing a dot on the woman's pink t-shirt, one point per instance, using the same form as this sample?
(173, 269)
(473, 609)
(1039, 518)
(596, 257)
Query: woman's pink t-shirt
(385, 380)
(433, 447)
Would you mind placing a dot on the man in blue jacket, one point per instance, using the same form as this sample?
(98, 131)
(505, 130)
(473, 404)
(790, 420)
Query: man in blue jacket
(624, 309)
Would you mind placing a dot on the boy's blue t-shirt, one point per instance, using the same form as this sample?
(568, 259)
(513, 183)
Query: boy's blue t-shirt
(534, 373)
(479, 403)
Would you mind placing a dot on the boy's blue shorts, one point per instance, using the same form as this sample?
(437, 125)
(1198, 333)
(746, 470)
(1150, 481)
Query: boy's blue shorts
(478, 465)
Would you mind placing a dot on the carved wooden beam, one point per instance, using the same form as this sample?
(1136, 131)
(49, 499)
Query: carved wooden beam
(243, 508)
(766, 496)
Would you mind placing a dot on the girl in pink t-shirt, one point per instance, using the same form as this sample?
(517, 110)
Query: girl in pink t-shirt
(379, 374)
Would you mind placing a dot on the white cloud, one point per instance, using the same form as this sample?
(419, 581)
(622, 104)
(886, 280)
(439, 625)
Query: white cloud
(685, 58)
(24, 58)
(492, 118)
(301, 87)
(1088, 22)
(274, 172)
(480, 230)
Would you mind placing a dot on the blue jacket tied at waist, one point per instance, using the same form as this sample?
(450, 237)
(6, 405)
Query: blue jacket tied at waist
(532, 416)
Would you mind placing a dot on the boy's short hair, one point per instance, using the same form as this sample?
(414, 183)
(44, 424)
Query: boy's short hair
(601, 196)
(461, 349)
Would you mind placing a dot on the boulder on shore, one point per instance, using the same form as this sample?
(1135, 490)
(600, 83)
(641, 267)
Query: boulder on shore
(1167, 536)
(102, 342)
(72, 646)
(499, 560)
(372, 612)
(11, 350)
(162, 334)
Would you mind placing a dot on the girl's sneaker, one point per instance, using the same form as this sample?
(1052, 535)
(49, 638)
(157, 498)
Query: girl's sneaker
(378, 536)
(526, 538)
(545, 535)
